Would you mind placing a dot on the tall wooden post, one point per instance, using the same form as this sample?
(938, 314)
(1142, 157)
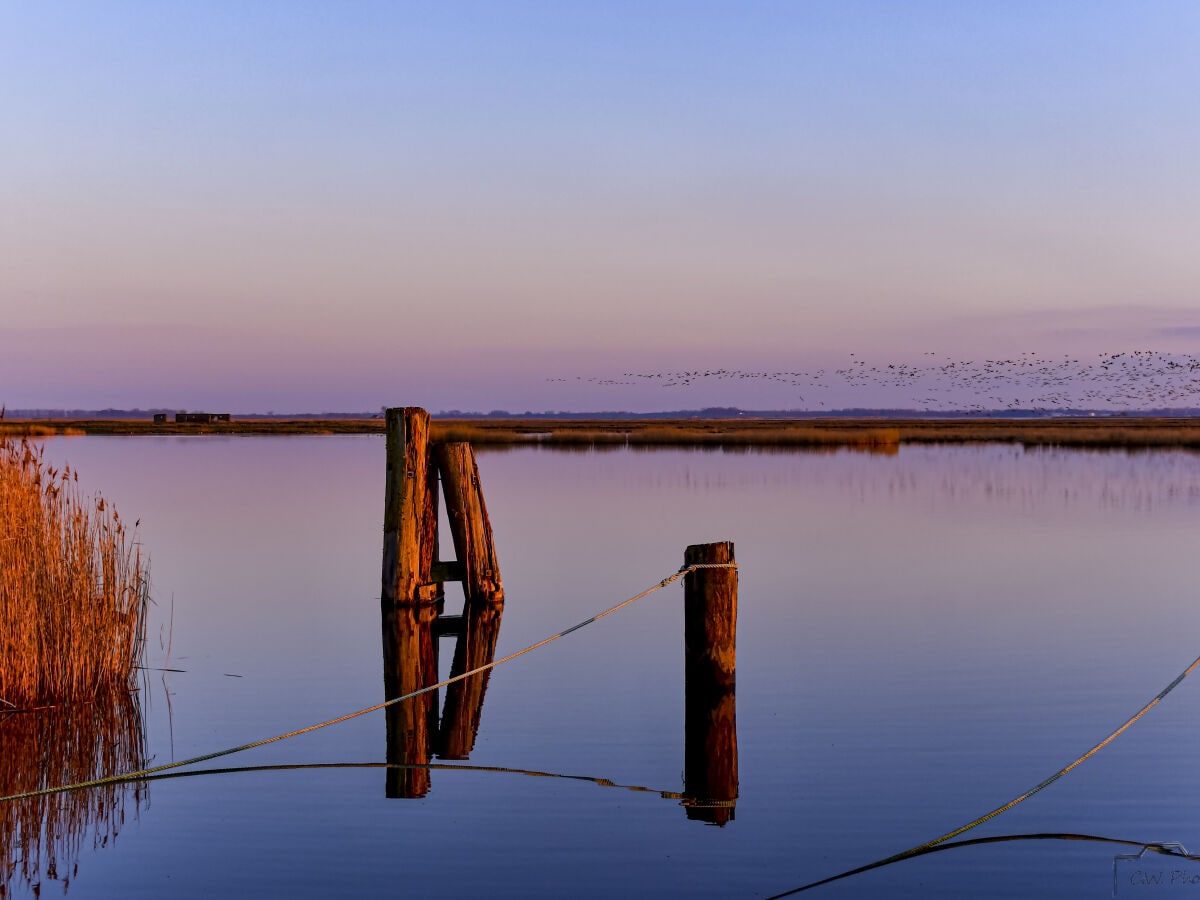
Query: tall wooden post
(469, 524)
(407, 599)
(410, 598)
(710, 664)
(409, 511)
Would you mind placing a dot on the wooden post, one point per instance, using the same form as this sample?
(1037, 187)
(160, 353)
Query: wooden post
(409, 511)
(710, 664)
(469, 524)
(474, 647)
(411, 724)
(408, 598)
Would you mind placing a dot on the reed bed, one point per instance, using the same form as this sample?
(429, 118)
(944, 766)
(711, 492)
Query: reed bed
(649, 435)
(665, 434)
(73, 586)
(41, 837)
(873, 434)
(870, 435)
(769, 437)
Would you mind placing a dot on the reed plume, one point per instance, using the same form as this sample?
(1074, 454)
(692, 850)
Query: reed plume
(73, 586)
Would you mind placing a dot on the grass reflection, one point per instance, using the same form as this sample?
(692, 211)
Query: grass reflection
(41, 837)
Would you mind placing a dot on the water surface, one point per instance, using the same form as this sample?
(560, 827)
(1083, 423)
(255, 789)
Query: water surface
(921, 637)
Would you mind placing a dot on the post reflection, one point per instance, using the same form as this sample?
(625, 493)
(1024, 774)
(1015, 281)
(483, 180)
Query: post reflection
(475, 647)
(416, 734)
(710, 780)
(414, 731)
(41, 837)
(409, 664)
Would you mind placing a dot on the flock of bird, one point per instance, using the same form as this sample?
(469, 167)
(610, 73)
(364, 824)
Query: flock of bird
(1137, 379)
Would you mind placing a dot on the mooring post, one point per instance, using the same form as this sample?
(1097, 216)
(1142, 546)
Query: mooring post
(470, 527)
(710, 665)
(409, 510)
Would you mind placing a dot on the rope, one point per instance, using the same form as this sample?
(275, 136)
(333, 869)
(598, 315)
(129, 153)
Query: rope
(1165, 849)
(987, 817)
(430, 766)
(132, 776)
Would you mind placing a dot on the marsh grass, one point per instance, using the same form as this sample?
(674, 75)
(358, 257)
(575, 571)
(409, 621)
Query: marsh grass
(870, 434)
(698, 433)
(866, 434)
(73, 586)
(41, 837)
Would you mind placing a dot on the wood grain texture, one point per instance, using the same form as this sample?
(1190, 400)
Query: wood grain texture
(470, 526)
(410, 510)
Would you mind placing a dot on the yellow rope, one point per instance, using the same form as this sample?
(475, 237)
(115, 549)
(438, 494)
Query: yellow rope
(130, 776)
(922, 848)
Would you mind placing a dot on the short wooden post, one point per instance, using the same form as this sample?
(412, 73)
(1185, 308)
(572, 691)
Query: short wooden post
(469, 524)
(409, 511)
(409, 664)
(475, 647)
(710, 666)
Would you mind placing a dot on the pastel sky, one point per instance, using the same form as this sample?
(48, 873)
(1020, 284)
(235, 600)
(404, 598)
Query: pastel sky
(298, 206)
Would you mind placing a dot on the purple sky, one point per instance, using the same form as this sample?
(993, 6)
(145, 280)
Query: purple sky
(307, 207)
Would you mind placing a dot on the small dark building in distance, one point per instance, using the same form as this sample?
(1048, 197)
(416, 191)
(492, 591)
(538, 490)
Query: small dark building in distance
(160, 418)
(201, 418)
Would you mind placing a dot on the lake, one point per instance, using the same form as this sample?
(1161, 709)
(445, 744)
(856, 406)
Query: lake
(922, 637)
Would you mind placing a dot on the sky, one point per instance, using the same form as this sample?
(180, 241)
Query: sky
(290, 206)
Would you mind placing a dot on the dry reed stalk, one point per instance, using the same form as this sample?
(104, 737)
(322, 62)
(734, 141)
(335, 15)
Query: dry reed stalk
(41, 837)
(73, 586)
(24, 429)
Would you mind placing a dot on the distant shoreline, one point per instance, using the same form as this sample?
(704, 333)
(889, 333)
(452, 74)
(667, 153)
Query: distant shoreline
(867, 432)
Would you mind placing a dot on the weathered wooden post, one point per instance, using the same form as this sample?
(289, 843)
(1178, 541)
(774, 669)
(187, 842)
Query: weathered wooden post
(466, 512)
(409, 510)
(710, 664)
(411, 598)
(408, 598)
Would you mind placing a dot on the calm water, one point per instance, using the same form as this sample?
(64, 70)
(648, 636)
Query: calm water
(921, 638)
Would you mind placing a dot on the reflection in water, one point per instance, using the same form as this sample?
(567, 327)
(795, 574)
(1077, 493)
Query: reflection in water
(415, 733)
(711, 757)
(409, 664)
(441, 767)
(41, 837)
(475, 647)
(919, 634)
(994, 476)
(1172, 850)
(410, 648)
